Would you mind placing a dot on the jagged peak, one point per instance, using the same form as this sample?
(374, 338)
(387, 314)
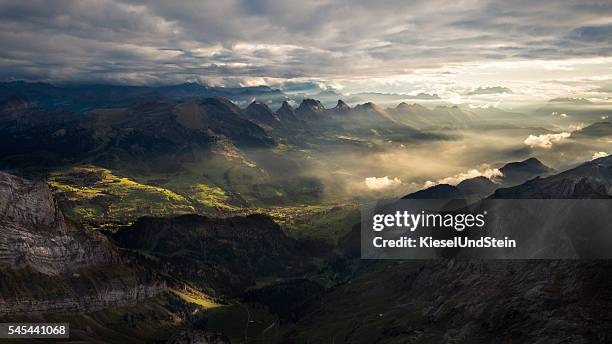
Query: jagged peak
(404, 105)
(257, 105)
(311, 105)
(285, 106)
(342, 105)
(369, 106)
(261, 113)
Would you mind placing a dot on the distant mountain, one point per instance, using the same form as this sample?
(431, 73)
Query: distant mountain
(310, 109)
(341, 107)
(411, 114)
(419, 116)
(479, 187)
(363, 118)
(86, 97)
(143, 132)
(592, 179)
(440, 191)
(371, 114)
(386, 98)
(469, 189)
(452, 115)
(260, 113)
(570, 100)
(598, 129)
(519, 172)
(286, 113)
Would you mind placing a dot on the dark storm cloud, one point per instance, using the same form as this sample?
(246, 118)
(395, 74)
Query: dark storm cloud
(173, 41)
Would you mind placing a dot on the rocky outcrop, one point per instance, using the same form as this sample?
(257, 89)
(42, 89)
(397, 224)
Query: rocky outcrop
(50, 265)
(35, 234)
(84, 290)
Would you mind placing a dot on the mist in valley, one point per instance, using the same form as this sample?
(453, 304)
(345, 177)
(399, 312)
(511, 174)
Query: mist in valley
(379, 167)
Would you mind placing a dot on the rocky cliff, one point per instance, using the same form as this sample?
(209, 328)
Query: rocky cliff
(48, 264)
(35, 234)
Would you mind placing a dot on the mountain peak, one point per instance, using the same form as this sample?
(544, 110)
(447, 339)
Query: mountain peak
(286, 113)
(518, 172)
(311, 104)
(440, 191)
(259, 105)
(260, 113)
(341, 107)
(403, 106)
(369, 106)
(285, 106)
(342, 104)
(310, 107)
(530, 163)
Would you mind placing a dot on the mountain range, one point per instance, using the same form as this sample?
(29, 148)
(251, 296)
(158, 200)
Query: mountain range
(219, 256)
(192, 213)
(512, 174)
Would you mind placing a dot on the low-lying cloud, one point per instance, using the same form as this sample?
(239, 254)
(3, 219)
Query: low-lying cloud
(377, 184)
(598, 155)
(546, 140)
(491, 173)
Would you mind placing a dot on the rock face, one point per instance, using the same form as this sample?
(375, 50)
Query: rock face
(35, 234)
(83, 290)
(49, 265)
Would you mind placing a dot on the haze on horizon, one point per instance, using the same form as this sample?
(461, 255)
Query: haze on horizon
(474, 51)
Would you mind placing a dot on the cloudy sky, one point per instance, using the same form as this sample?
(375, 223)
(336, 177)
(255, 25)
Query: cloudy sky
(491, 50)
